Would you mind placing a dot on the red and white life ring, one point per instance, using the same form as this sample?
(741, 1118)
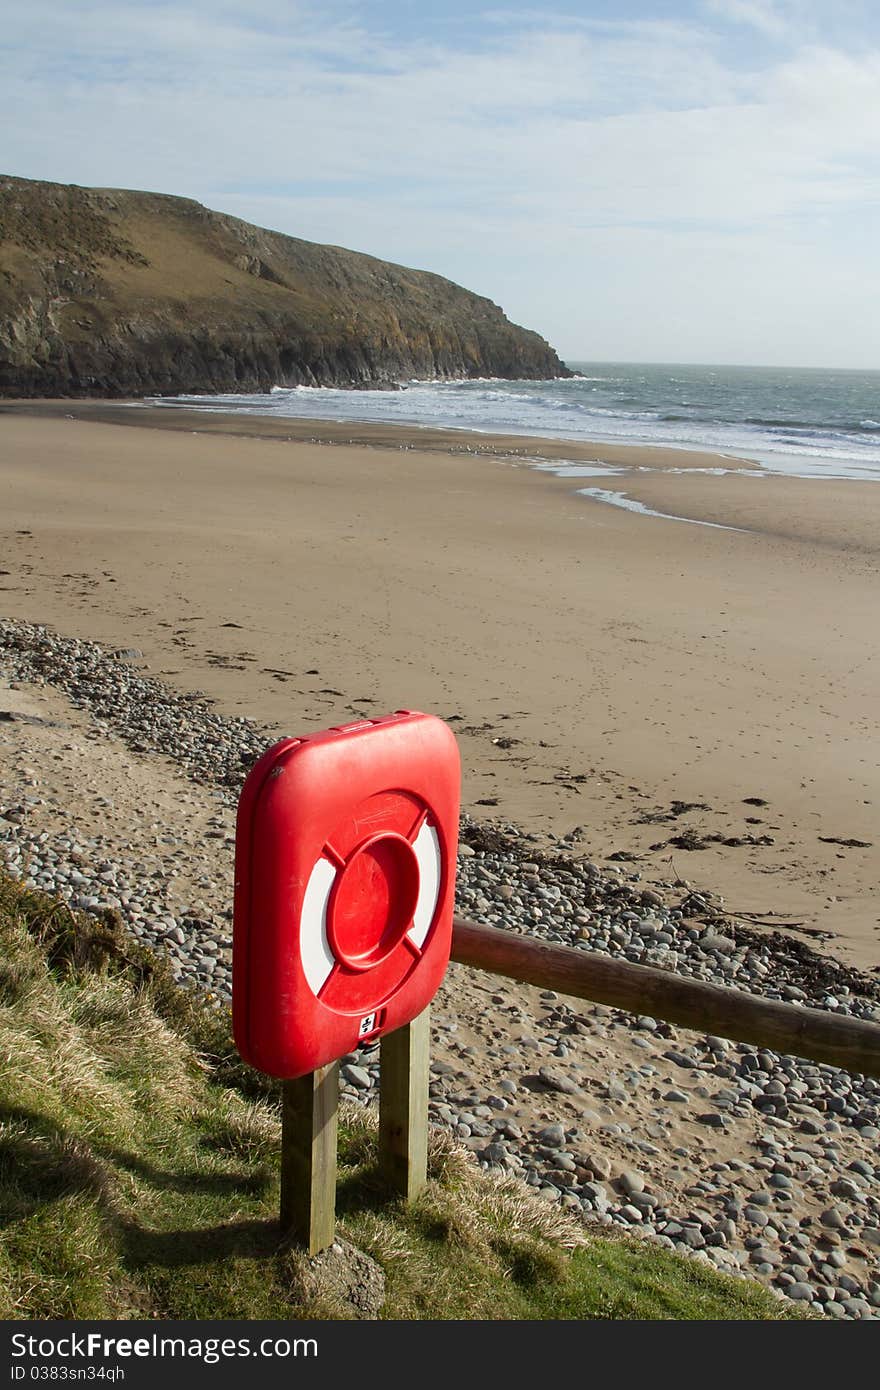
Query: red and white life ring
(322, 951)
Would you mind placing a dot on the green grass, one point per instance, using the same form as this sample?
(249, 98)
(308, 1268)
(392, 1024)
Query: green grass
(139, 1173)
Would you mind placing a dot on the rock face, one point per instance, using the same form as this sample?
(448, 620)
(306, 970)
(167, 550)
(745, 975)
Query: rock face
(107, 292)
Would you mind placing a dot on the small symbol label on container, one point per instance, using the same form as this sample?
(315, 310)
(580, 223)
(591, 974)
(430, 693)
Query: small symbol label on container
(367, 1025)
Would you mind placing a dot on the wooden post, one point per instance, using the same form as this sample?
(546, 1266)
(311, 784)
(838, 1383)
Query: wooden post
(308, 1157)
(403, 1106)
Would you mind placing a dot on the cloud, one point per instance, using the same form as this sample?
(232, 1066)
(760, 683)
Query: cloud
(604, 120)
(529, 139)
(763, 15)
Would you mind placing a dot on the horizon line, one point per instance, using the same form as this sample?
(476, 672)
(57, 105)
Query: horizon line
(568, 359)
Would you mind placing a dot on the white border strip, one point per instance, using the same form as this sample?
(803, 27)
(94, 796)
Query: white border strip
(427, 851)
(317, 958)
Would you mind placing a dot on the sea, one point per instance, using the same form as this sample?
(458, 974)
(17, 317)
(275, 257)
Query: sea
(804, 422)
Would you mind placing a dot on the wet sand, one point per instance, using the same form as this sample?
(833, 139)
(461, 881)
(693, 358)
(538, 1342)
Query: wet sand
(628, 680)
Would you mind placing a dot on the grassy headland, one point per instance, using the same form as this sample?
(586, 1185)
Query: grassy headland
(113, 292)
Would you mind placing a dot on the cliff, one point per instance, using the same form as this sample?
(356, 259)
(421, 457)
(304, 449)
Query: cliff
(109, 292)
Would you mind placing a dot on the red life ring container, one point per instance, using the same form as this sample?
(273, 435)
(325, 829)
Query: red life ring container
(346, 847)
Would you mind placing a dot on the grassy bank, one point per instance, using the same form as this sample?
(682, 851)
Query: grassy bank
(139, 1175)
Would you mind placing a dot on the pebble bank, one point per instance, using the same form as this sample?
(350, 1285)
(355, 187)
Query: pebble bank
(760, 1164)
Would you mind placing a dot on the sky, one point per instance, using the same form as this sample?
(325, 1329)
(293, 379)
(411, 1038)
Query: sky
(692, 181)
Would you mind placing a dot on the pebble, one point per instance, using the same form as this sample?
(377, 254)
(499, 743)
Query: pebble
(802, 1291)
(631, 1181)
(557, 1081)
(551, 1135)
(358, 1076)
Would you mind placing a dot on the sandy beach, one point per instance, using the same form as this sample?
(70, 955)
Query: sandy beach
(699, 702)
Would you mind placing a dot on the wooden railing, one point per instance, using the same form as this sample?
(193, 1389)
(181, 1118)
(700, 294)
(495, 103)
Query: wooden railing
(308, 1136)
(816, 1034)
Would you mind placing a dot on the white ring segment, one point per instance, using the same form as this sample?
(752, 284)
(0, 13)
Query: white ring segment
(426, 847)
(317, 958)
